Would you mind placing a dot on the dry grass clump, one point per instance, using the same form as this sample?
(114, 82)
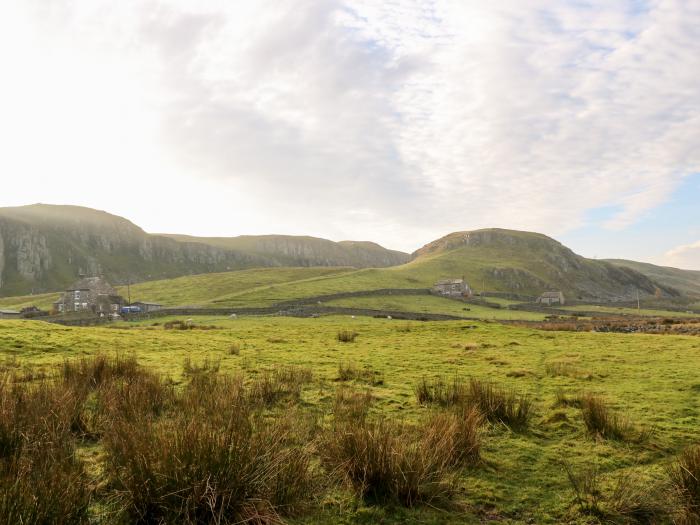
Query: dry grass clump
(179, 324)
(218, 461)
(391, 462)
(458, 431)
(441, 392)
(601, 422)
(207, 366)
(89, 373)
(235, 348)
(501, 405)
(685, 481)
(404, 328)
(347, 336)
(626, 496)
(351, 404)
(40, 479)
(351, 371)
(497, 404)
(278, 384)
(562, 399)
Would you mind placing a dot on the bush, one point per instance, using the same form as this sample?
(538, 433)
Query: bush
(208, 366)
(685, 480)
(347, 336)
(234, 349)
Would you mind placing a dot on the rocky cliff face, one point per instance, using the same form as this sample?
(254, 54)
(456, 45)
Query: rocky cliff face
(44, 248)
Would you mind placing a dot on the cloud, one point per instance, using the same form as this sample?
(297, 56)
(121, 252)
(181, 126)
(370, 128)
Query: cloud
(397, 121)
(685, 256)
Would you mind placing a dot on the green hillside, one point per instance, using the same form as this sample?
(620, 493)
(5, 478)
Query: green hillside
(686, 281)
(46, 247)
(493, 260)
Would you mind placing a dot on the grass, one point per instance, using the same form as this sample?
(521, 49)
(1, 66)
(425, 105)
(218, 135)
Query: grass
(434, 304)
(519, 478)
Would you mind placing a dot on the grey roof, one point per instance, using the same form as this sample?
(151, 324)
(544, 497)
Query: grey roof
(553, 295)
(9, 312)
(450, 281)
(96, 284)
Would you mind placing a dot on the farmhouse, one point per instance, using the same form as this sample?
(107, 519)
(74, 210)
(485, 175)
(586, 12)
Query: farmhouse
(452, 288)
(550, 298)
(90, 294)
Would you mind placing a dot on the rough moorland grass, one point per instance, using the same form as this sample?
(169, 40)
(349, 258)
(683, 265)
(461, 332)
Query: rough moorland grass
(497, 404)
(655, 379)
(41, 481)
(347, 336)
(603, 423)
(213, 462)
(351, 371)
(685, 481)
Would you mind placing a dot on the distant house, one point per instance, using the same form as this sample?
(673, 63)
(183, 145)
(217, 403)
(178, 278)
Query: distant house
(90, 294)
(452, 288)
(550, 298)
(9, 314)
(147, 307)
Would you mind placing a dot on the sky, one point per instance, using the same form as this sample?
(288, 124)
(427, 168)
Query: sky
(393, 121)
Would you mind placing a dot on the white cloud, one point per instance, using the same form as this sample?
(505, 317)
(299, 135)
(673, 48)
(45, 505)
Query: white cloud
(396, 121)
(685, 256)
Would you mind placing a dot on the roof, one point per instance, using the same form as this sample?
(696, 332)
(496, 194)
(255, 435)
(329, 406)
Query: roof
(9, 312)
(554, 295)
(449, 281)
(96, 284)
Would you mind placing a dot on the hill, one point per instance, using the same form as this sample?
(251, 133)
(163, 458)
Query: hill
(45, 247)
(495, 260)
(685, 281)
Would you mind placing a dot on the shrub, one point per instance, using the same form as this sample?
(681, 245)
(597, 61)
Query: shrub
(685, 481)
(603, 423)
(347, 336)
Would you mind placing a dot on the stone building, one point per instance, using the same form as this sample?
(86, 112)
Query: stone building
(452, 288)
(90, 294)
(551, 298)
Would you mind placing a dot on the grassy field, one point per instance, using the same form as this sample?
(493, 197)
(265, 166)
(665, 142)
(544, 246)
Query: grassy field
(652, 380)
(433, 304)
(646, 312)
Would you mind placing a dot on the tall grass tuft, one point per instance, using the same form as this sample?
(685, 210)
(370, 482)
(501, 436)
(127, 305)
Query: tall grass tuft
(351, 371)
(600, 421)
(216, 462)
(40, 479)
(347, 336)
(390, 462)
(497, 404)
(685, 481)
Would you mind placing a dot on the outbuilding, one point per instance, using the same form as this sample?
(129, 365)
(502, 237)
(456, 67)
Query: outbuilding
(551, 298)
